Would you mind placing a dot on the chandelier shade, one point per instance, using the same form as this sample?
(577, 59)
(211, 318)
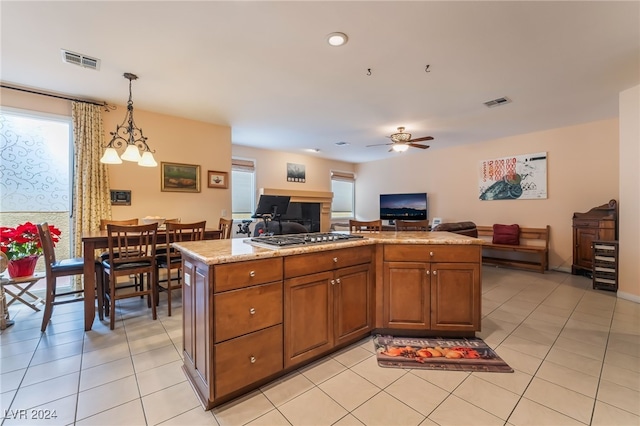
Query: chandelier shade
(129, 135)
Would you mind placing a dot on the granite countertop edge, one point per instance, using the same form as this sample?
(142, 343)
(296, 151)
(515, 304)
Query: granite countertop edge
(212, 252)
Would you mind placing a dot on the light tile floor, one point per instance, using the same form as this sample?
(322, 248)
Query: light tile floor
(575, 351)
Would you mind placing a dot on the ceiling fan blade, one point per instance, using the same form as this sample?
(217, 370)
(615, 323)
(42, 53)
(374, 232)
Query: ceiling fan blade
(417, 145)
(380, 144)
(426, 138)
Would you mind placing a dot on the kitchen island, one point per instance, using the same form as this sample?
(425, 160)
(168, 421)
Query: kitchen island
(251, 314)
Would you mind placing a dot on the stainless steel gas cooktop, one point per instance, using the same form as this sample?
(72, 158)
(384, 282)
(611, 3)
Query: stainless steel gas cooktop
(297, 240)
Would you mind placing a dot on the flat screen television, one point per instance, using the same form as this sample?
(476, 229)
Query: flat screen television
(403, 206)
(273, 205)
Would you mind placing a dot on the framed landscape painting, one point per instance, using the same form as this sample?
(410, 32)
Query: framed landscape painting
(177, 177)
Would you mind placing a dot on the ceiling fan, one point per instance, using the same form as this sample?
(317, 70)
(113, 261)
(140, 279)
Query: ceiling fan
(401, 141)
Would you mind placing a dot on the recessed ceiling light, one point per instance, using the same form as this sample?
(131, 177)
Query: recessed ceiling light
(312, 149)
(337, 39)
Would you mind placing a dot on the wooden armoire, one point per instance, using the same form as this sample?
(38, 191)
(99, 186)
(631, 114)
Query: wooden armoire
(599, 223)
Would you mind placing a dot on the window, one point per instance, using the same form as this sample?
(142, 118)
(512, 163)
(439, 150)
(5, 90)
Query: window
(35, 171)
(243, 188)
(343, 188)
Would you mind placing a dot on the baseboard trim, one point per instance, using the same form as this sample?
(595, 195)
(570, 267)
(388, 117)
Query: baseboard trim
(628, 296)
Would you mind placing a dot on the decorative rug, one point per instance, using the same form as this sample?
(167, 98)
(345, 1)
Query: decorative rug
(437, 353)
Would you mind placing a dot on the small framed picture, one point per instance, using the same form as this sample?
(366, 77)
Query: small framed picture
(296, 173)
(217, 179)
(180, 177)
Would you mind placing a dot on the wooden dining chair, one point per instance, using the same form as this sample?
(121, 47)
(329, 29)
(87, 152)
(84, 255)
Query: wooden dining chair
(365, 225)
(225, 226)
(132, 251)
(103, 227)
(171, 259)
(105, 222)
(55, 269)
(412, 225)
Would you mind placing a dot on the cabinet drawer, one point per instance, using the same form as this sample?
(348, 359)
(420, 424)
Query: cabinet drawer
(244, 274)
(431, 253)
(247, 359)
(243, 311)
(304, 264)
(586, 223)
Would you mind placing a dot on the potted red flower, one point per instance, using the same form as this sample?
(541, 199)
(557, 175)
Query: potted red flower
(23, 248)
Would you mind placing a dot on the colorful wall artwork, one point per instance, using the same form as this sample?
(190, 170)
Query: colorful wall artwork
(521, 177)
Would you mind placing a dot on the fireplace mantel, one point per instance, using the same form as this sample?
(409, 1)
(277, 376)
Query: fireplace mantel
(324, 198)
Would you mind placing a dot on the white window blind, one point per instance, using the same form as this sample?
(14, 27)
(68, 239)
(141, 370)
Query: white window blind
(343, 188)
(242, 188)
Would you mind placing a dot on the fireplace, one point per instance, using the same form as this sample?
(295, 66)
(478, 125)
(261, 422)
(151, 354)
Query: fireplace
(314, 205)
(306, 214)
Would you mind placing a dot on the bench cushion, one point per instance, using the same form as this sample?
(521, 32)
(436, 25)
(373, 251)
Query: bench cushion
(506, 234)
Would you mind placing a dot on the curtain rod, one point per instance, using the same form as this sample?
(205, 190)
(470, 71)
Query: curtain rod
(51, 95)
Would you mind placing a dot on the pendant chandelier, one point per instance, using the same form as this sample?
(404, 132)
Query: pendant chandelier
(127, 134)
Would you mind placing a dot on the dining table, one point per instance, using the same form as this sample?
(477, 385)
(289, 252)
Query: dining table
(94, 240)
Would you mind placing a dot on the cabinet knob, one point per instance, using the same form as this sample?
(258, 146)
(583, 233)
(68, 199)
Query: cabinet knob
(338, 281)
(430, 253)
(428, 272)
(252, 273)
(252, 311)
(335, 260)
(435, 272)
(333, 282)
(252, 359)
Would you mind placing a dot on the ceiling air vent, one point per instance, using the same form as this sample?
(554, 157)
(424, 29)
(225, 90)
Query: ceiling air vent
(342, 143)
(80, 60)
(496, 102)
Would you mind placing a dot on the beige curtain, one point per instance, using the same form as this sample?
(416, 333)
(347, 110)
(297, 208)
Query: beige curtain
(91, 197)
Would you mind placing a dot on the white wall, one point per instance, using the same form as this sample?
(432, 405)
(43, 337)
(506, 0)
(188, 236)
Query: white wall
(271, 168)
(629, 273)
(582, 172)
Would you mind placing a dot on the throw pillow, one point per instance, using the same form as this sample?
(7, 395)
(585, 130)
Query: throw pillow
(506, 234)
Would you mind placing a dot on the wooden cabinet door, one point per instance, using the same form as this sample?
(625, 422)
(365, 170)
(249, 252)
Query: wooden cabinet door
(353, 302)
(188, 313)
(197, 328)
(455, 296)
(583, 246)
(308, 317)
(406, 295)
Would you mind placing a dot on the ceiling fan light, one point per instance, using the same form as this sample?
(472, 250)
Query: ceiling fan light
(400, 147)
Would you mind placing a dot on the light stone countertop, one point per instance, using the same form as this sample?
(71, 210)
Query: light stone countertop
(213, 252)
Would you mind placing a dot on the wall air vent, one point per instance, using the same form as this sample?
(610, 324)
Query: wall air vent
(80, 60)
(497, 102)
